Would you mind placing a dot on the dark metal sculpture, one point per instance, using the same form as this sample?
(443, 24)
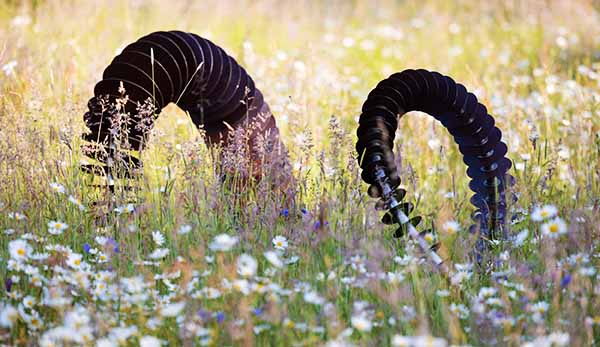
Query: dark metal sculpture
(467, 121)
(165, 67)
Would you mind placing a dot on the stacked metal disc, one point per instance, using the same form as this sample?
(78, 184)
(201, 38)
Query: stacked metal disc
(161, 68)
(468, 121)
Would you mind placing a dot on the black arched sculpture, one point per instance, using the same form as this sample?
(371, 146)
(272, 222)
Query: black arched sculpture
(466, 119)
(164, 67)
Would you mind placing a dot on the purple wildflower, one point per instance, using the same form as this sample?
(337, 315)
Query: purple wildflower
(318, 224)
(8, 284)
(114, 244)
(564, 282)
(204, 314)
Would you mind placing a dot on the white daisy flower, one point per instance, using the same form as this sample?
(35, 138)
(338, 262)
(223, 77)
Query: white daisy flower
(122, 334)
(16, 215)
(260, 328)
(105, 342)
(540, 307)
(418, 341)
(401, 341)
(125, 209)
(76, 202)
(541, 213)
(554, 228)
(361, 323)
(520, 238)
(57, 227)
(395, 277)
(184, 229)
(150, 341)
(429, 237)
(29, 301)
(8, 316)
(291, 260)
(451, 227)
(242, 286)
(158, 238)
(9, 68)
(19, 249)
(159, 253)
(274, 259)
(101, 240)
(587, 271)
(280, 242)
(172, 310)
(312, 297)
(57, 188)
(223, 242)
(246, 265)
(74, 260)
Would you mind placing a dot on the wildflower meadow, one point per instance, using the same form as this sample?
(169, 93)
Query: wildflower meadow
(176, 256)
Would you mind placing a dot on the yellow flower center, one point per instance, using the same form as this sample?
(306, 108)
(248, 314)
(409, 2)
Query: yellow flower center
(77, 262)
(21, 252)
(544, 213)
(553, 228)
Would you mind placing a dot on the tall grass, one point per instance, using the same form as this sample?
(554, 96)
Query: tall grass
(344, 280)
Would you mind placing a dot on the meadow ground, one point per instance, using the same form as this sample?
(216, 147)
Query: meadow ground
(185, 261)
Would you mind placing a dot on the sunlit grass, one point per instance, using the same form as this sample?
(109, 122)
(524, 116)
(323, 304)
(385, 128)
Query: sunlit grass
(344, 279)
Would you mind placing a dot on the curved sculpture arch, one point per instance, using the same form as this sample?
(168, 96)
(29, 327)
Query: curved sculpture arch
(467, 120)
(171, 67)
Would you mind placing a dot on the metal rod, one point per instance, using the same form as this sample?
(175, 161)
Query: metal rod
(388, 197)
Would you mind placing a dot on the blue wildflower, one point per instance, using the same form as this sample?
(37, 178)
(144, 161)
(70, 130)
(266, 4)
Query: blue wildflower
(564, 282)
(220, 317)
(114, 244)
(204, 314)
(318, 224)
